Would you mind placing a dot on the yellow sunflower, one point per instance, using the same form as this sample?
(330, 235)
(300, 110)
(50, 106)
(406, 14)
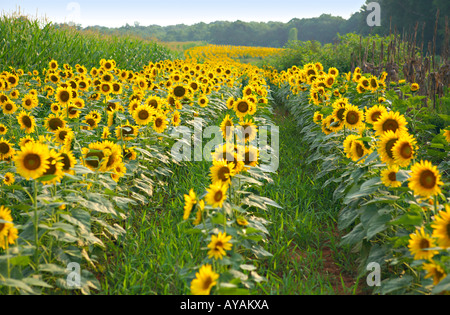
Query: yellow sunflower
(392, 121)
(447, 135)
(420, 243)
(219, 245)
(68, 161)
(389, 176)
(26, 122)
(251, 156)
(403, 150)
(55, 168)
(386, 145)
(3, 129)
(348, 145)
(222, 171)
(227, 127)
(143, 114)
(160, 123)
(9, 107)
(9, 179)
(8, 233)
(359, 150)
(374, 113)
(441, 227)
(29, 102)
(126, 131)
(62, 133)
(435, 271)
(249, 130)
(32, 160)
(64, 95)
(189, 201)
(353, 117)
(425, 179)
(54, 121)
(241, 107)
(6, 149)
(217, 193)
(205, 279)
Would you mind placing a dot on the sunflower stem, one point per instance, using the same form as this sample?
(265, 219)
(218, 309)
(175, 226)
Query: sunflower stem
(36, 225)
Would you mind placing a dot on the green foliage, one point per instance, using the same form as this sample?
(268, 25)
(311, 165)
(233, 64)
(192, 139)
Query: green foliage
(32, 44)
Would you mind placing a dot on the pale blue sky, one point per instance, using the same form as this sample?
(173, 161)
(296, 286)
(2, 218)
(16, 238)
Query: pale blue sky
(113, 13)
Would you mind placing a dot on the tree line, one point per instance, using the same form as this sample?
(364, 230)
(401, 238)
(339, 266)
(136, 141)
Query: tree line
(406, 16)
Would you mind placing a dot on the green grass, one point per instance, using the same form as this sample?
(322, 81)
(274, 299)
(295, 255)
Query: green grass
(304, 227)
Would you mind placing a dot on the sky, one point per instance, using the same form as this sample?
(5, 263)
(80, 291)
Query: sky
(114, 13)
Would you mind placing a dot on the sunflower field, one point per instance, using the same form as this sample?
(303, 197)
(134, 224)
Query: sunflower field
(104, 158)
(388, 158)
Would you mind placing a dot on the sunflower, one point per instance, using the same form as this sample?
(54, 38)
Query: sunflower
(9, 107)
(441, 227)
(205, 279)
(403, 150)
(53, 122)
(425, 179)
(241, 107)
(68, 161)
(447, 135)
(389, 176)
(373, 83)
(249, 130)
(318, 116)
(29, 102)
(434, 271)
(32, 161)
(326, 122)
(119, 171)
(218, 245)
(230, 102)
(26, 122)
(348, 145)
(180, 91)
(9, 179)
(176, 120)
(359, 150)
(160, 123)
(217, 193)
(62, 133)
(106, 88)
(415, 87)
(129, 153)
(393, 121)
(353, 117)
(3, 129)
(143, 114)
(93, 155)
(53, 65)
(90, 123)
(112, 155)
(203, 101)
(420, 243)
(374, 113)
(154, 101)
(55, 168)
(25, 140)
(189, 201)
(64, 95)
(6, 150)
(126, 131)
(222, 171)
(386, 145)
(251, 156)
(199, 215)
(8, 233)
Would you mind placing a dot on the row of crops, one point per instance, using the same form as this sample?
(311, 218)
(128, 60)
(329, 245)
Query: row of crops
(387, 156)
(82, 147)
